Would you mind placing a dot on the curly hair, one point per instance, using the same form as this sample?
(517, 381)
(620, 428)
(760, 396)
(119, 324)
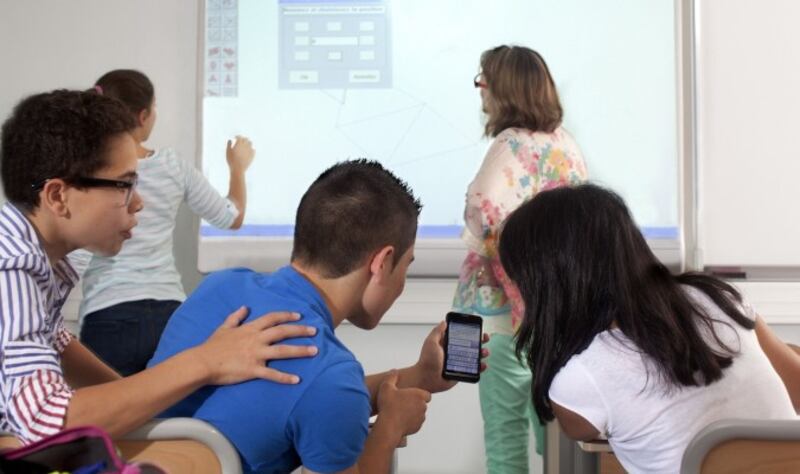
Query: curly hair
(522, 93)
(60, 134)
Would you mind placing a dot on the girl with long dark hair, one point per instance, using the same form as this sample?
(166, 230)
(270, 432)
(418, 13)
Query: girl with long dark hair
(623, 348)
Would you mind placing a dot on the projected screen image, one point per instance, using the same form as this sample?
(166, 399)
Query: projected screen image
(316, 82)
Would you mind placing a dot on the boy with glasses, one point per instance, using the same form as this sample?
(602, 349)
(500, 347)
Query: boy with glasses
(68, 166)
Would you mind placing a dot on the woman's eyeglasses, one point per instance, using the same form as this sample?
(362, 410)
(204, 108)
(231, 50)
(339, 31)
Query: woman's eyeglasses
(478, 82)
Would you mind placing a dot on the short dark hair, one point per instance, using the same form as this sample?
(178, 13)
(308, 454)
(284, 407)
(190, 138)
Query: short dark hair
(59, 134)
(131, 87)
(522, 93)
(353, 209)
(581, 264)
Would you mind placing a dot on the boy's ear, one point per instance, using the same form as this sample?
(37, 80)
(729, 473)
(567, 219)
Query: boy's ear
(382, 261)
(53, 196)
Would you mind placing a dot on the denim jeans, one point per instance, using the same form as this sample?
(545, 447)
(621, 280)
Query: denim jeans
(126, 335)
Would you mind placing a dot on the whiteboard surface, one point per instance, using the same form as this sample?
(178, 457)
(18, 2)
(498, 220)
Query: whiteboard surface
(748, 95)
(615, 66)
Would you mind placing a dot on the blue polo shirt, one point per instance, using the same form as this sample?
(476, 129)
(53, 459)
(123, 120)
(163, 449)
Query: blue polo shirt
(320, 423)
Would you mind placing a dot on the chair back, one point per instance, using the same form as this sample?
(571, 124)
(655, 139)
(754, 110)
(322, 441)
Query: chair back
(182, 445)
(744, 446)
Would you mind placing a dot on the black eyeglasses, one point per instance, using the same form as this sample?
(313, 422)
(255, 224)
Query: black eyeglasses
(88, 182)
(478, 83)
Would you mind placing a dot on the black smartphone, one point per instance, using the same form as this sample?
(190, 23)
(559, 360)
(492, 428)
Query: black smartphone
(462, 347)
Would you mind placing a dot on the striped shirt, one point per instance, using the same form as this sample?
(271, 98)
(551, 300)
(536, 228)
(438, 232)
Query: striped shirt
(145, 267)
(33, 393)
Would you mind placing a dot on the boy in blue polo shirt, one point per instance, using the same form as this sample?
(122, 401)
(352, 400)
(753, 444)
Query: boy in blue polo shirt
(353, 242)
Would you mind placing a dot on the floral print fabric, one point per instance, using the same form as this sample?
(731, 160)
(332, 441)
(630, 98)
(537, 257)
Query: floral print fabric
(518, 164)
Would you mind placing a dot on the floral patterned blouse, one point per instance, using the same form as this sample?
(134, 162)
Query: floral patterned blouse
(518, 164)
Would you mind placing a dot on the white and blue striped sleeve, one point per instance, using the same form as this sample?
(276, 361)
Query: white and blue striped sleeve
(203, 199)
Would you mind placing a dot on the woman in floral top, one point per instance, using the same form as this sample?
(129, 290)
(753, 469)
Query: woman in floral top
(531, 152)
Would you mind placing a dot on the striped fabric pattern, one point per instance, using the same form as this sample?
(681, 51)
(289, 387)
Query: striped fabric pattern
(145, 267)
(33, 393)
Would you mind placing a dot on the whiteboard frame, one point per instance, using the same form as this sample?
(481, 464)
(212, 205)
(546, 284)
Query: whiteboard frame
(442, 258)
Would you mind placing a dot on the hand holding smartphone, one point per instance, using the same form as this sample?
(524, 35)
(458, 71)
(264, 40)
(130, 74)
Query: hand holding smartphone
(462, 347)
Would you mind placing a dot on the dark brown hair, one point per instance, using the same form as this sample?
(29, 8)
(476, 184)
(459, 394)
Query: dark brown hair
(59, 134)
(522, 93)
(353, 208)
(131, 87)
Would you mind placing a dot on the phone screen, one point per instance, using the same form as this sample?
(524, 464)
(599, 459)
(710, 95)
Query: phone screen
(463, 347)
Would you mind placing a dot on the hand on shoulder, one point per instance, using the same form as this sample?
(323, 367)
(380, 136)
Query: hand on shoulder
(237, 353)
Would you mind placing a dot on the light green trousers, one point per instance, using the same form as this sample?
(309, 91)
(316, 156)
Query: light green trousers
(505, 394)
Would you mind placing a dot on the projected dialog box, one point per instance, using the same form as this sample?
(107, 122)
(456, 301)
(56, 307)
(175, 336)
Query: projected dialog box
(334, 44)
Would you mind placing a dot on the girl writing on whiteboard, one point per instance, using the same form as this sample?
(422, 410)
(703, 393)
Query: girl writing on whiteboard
(531, 152)
(619, 346)
(128, 298)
